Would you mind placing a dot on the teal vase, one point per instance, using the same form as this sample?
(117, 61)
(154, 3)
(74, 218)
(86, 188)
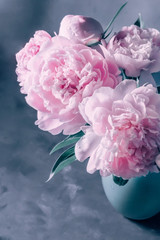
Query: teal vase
(138, 199)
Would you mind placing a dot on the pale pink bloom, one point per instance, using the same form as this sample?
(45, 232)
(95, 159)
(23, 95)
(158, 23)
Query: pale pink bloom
(25, 54)
(136, 49)
(63, 73)
(79, 28)
(123, 138)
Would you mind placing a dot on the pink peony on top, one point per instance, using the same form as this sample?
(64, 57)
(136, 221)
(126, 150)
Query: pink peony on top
(61, 75)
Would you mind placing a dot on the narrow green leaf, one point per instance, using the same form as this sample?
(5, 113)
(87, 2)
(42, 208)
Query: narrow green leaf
(67, 153)
(65, 163)
(119, 181)
(64, 159)
(64, 143)
(139, 22)
(113, 19)
(67, 141)
(62, 165)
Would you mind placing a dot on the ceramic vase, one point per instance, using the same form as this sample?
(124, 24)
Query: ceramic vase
(138, 199)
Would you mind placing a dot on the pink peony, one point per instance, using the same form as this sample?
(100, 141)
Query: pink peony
(25, 54)
(62, 74)
(124, 136)
(79, 28)
(136, 49)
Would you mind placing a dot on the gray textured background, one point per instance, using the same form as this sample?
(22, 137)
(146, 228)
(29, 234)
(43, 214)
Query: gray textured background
(73, 204)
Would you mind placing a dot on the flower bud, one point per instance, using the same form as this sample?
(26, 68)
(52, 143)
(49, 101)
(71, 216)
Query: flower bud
(80, 28)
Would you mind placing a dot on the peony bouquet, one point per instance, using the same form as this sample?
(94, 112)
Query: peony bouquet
(101, 90)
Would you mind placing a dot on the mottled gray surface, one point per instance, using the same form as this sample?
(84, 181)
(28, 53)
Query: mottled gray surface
(73, 205)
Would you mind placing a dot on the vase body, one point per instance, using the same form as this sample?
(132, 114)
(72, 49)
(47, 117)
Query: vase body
(138, 199)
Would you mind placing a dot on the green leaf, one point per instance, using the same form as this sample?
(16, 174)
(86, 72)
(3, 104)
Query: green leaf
(113, 19)
(67, 141)
(66, 158)
(79, 134)
(119, 181)
(156, 77)
(139, 22)
(62, 165)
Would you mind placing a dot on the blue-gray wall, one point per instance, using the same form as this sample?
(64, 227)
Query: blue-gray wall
(73, 204)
